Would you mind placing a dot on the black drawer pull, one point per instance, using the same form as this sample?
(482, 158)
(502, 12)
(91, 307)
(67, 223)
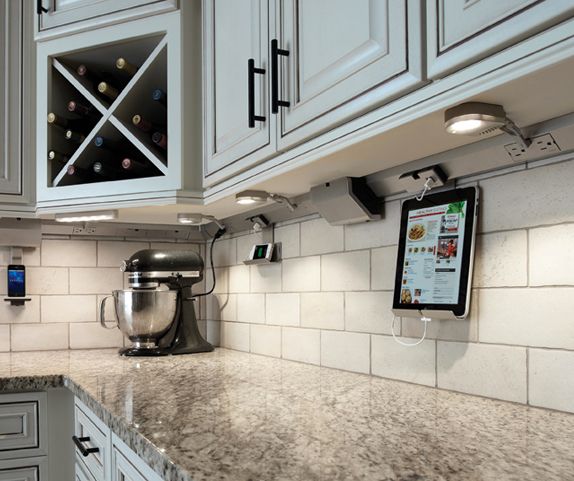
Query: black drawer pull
(40, 9)
(251, 71)
(85, 451)
(275, 101)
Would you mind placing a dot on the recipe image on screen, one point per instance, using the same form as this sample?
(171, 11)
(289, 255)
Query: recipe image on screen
(433, 254)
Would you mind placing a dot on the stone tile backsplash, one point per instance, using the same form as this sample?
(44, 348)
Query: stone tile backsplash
(328, 301)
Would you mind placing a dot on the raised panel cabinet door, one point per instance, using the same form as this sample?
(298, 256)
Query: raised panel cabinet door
(463, 31)
(234, 32)
(341, 58)
(57, 13)
(29, 473)
(11, 28)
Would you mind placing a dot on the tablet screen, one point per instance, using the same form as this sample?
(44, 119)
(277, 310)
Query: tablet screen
(435, 252)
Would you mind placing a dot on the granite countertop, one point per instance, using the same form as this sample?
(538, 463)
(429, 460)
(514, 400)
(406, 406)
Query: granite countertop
(240, 417)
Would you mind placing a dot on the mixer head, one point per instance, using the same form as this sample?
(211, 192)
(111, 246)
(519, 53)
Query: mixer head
(148, 268)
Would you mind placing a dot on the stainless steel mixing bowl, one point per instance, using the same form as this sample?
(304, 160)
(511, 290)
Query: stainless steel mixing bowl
(144, 316)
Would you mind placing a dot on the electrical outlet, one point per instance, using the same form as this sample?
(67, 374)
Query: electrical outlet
(541, 146)
(77, 230)
(90, 230)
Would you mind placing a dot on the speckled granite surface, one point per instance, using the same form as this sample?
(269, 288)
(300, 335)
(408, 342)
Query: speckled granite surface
(232, 416)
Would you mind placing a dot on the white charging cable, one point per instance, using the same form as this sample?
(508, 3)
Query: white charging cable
(426, 320)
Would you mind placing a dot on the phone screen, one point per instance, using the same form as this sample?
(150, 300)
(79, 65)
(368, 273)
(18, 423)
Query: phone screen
(16, 281)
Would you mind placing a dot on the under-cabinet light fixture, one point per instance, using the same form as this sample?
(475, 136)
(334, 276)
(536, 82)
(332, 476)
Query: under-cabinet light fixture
(478, 118)
(198, 219)
(96, 216)
(259, 197)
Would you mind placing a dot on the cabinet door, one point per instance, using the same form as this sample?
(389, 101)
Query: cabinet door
(29, 473)
(463, 31)
(65, 12)
(338, 51)
(10, 97)
(234, 32)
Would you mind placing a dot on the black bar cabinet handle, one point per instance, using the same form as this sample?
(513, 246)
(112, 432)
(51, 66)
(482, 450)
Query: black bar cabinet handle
(251, 71)
(275, 101)
(85, 451)
(40, 9)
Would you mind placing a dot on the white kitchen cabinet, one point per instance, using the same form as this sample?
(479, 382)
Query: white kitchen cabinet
(343, 58)
(16, 134)
(461, 32)
(33, 469)
(71, 15)
(163, 51)
(236, 31)
(128, 467)
(323, 63)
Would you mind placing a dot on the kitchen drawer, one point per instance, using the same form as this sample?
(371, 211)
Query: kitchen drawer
(81, 471)
(94, 438)
(22, 425)
(30, 469)
(128, 466)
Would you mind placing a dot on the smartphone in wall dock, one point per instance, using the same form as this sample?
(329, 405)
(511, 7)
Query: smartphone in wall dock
(16, 280)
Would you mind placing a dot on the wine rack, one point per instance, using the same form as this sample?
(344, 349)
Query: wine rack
(93, 152)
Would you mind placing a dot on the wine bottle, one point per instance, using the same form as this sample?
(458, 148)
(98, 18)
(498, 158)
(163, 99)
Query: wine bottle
(145, 125)
(57, 121)
(159, 139)
(89, 75)
(123, 65)
(80, 173)
(108, 90)
(74, 136)
(82, 110)
(104, 143)
(57, 156)
(134, 166)
(159, 96)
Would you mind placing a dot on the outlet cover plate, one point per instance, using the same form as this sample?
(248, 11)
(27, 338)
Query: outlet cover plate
(541, 146)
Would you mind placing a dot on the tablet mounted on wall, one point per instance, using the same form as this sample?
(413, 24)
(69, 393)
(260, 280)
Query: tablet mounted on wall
(435, 256)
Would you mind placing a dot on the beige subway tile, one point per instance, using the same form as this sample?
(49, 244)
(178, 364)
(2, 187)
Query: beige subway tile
(26, 314)
(501, 259)
(224, 252)
(4, 338)
(266, 277)
(91, 335)
(282, 309)
(112, 253)
(68, 253)
(446, 329)
(3, 281)
(221, 307)
(235, 335)
(238, 278)
(412, 364)
(30, 256)
(266, 340)
(551, 260)
(213, 332)
(517, 200)
(383, 268)
(379, 233)
(95, 280)
(345, 350)
(368, 312)
(348, 271)
(486, 370)
(47, 280)
(288, 237)
(39, 337)
(551, 379)
(318, 237)
(69, 308)
(302, 274)
(323, 310)
(245, 243)
(539, 317)
(303, 345)
(251, 308)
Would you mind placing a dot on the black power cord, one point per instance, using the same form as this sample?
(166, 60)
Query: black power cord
(216, 236)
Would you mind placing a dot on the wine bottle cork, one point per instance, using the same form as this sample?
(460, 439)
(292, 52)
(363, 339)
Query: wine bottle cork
(107, 90)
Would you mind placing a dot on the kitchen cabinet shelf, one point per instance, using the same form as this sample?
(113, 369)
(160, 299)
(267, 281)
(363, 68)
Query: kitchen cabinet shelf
(155, 46)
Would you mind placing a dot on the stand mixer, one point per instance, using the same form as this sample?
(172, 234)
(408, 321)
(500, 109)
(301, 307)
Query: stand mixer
(157, 313)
